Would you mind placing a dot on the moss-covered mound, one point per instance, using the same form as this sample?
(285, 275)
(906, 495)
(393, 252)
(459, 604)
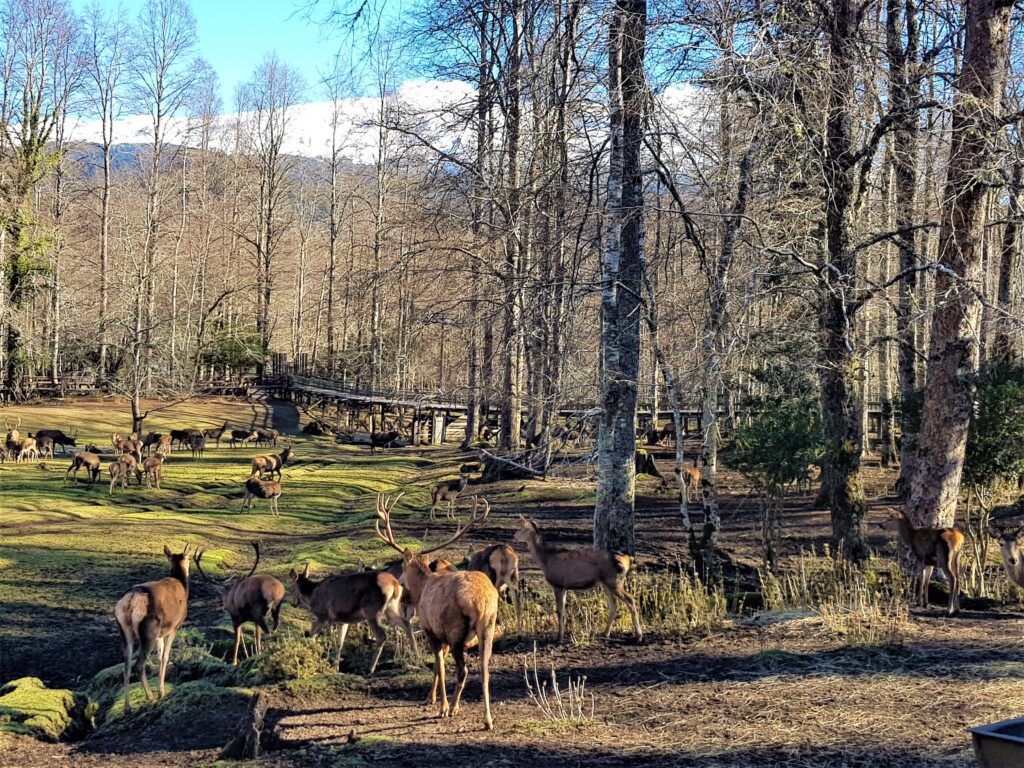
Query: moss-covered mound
(29, 707)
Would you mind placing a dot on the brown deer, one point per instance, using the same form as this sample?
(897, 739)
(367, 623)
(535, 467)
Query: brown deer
(267, 436)
(13, 435)
(448, 492)
(58, 438)
(369, 596)
(255, 488)
(28, 449)
(156, 441)
(44, 446)
(455, 608)
(242, 436)
(87, 460)
(248, 599)
(500, 564)
(383, 439)
(150, 614)
(581, 568)
(1011, 545)
(196, 444)
(215, 433)
(153, 469)
(119, 473)
(271, 464)
(691, 481)
(930, 548)
(126, 445)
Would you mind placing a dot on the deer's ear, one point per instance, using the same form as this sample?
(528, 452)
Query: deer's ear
(293, 575)
(407, 555)
(534, 526)
(167, 552)
(305, 572)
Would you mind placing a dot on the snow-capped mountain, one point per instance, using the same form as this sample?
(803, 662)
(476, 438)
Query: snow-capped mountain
(309, 130)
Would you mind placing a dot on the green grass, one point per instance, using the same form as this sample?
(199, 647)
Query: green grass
(68, 552)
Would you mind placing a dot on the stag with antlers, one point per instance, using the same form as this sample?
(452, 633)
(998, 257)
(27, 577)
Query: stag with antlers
(247, 599)
(581, 568)
(455, 607)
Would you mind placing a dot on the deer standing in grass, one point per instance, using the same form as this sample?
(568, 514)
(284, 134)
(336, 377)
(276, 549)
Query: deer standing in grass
(269, 465)
(87, 460)
(248, 599)
(455, 608)
(153, 469)
(242, 436)
(581, 568)
(255, 488)
(216, 433)
(150, 615)
(346, 598)
(500, 564)
(931, 548)
(448, 492)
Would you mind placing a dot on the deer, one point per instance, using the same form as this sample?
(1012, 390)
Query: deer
(84, 459)
(242, 436)
(930, 548)
(44, 445)
(153, 469)
(119, 473)
(215, 433)
(154, 441)
(58, 438)
(13, 435)
(500, 564)
(28, 449)
(581, 568)
(448, 492)
(271, 464)
(1011, 545)
(130, 445)
(150, 614)
(345, 598)
(256, 488)
(248, 599)
(692, 481)
(383, 439)
(196, 443)
(182, 436)
(455, 608)
(267, 436)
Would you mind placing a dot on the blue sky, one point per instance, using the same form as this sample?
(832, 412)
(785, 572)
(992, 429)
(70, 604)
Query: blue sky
(235, 34)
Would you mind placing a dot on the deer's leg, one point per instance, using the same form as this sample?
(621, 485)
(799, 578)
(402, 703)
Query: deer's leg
(145, 648)
(260, 623)
(486, 635)
(628, 599)
(238, 642)
(343, 633)
(398, 620)
(165, 657)
(926, 578)
(560, 611)
(437, 648)
(276, 615)
(613, 609)
(953, 576)
(380, 636)
(127, 643)
(439, 679)
(459, 653)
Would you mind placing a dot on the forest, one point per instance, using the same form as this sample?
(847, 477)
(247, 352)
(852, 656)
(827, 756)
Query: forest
(772, 245)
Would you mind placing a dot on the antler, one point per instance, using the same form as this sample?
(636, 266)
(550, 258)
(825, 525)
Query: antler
(197, 559)
(384, 506)
(463, 529)
(256, 546)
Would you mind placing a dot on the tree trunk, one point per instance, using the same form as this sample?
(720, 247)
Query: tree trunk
(952, 360)
(621, 280)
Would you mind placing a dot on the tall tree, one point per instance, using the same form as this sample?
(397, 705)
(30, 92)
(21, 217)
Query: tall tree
(622, 270)
(953, 354)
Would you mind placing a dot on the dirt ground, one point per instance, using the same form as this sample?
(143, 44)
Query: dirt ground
(765, 689)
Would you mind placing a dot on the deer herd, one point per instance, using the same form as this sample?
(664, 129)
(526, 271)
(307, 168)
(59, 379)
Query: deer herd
(456, 608)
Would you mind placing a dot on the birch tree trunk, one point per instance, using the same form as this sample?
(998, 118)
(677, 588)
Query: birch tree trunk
(622, 269)
(952, 359)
